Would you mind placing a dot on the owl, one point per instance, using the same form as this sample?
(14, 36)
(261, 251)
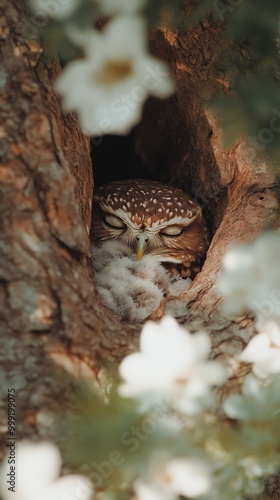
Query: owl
(152, 218)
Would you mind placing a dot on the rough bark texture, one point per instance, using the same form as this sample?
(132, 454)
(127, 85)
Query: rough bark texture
(49, 309)
(235, 188)
(51, 318)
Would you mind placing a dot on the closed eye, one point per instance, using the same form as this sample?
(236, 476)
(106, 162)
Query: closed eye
(114, 222)
(172, 230)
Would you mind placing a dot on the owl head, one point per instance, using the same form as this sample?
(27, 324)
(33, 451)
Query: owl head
(151, 218)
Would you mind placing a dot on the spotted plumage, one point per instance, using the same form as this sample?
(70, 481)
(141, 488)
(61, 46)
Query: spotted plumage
(152, 218)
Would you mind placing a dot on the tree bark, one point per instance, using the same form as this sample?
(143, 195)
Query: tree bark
(50, 313)
(235, 186)
(51, 318)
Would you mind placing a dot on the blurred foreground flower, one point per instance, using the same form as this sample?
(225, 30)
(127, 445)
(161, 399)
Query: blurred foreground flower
(189, 478)
(264, 351)
(59, 9)
(36, 471)
(250, 280)
(109, 87)
(259, 400)
(121, 6)
(172, 363)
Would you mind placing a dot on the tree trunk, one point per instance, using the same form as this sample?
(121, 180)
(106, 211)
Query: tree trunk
(51, 318)
(235, 186)
(50, 312)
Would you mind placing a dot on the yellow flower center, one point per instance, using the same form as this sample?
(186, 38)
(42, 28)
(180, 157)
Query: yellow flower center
(113, 71)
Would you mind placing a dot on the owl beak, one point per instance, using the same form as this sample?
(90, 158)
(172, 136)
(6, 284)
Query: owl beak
(141, 244)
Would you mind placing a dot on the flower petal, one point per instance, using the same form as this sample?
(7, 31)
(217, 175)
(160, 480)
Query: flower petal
(38, 465)
(74, 487)
(256, 349)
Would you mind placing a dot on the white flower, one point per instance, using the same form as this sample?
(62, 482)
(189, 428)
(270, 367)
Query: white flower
(186, 477)
(36, 471)
(121, 6)
(74, 487)
(264, 351)
(259, 401)
(174, 363)
(109, 87)
(251, 277)
(58, 9)
(152, 491)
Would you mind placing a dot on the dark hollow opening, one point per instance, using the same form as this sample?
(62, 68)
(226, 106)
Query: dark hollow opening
(175, 152)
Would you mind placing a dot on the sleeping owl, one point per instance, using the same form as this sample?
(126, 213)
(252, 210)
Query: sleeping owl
(152, 219)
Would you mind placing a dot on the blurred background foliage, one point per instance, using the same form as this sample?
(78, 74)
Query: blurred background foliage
(252, 107)
(250, 59)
